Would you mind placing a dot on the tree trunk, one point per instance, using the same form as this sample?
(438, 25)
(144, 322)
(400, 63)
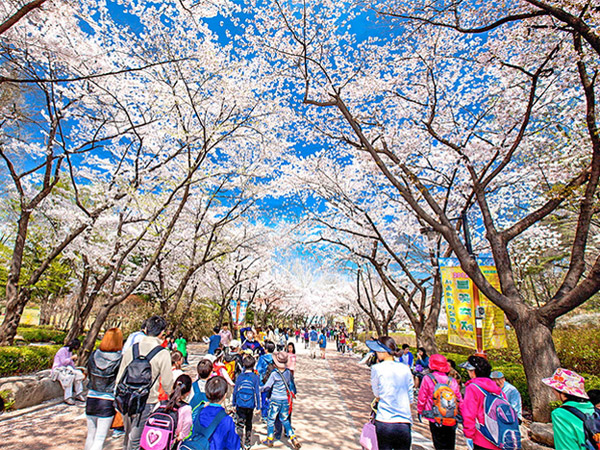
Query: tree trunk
(426, 338)
(539, 361)
(46, 307)
(14, 311)
(90, 339)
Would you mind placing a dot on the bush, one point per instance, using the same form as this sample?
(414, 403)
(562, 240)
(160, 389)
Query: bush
(21, 360)
(37, 334)
(9, 401)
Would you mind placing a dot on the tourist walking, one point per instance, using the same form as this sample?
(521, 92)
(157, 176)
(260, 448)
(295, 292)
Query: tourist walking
(314, 338)
(567, 421)
(393, 384)
(439, 399)
(103, 367)
(181, 344)
(64, 370)
(149, 348)
(323, 343)
(214, 341)
(246, 398)
(512, 393)
(226, 335)
(281, 385)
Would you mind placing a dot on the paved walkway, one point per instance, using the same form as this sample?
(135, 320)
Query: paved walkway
(332, 405)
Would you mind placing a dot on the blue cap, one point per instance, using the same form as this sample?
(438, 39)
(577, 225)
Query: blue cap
(467, 365)
(377, 346)
(496, 375)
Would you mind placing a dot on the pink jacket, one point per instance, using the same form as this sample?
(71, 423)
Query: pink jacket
(472, 409)
(425, 402)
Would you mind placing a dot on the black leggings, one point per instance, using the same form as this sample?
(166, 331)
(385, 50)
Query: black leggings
(245, 416)
(443, 437)
(393, 436)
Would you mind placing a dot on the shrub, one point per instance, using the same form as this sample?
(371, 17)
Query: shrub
(21, 360)
(36, 334)
(9, 401)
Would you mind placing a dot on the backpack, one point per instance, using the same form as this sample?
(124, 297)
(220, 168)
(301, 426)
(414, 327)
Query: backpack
(159, 430)
(199, 396)
(501, 423)
(591, 426)
(270, 368)
(230, 368)
(135, 384)
(245, 395)
(200, 439)
(444, 409)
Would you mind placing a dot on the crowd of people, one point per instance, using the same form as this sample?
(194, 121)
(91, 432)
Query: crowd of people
(487, 405)
(139, 386)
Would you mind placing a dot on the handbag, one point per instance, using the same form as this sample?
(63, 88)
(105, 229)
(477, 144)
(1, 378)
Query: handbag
(368, 436)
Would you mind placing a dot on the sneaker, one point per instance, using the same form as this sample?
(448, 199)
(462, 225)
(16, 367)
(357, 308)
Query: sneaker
(295, 442)
(70, 401)
(268, 442)
(247, 444)
(118, 433)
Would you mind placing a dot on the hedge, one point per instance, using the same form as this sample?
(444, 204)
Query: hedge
(21, 360)
(38, 334)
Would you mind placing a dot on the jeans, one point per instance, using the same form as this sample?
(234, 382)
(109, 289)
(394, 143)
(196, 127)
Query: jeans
(134, 428)
(443, 437)
(393, 436)
(97, 430)
(281, 409)
(69, 377)
(264, 404)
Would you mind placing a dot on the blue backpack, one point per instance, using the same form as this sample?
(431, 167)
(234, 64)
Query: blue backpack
(199, 396)
(245, 394)
(591, 426)
(501, 424)
(200, 438)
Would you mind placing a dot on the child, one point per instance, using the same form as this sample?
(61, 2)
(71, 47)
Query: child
(281, 384)
(291, 350)
(198, 387)
(219, 368)
(176, 362)
(246, 398)
(224, 436)
(181, 390)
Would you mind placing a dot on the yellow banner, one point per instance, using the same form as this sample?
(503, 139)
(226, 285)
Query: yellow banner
(460, 308)
(349, 323)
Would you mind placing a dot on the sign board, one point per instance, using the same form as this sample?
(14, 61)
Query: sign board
(460, 309)
(238, 310)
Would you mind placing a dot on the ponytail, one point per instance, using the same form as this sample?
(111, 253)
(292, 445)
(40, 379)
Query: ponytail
(391, 344)
(182, 387)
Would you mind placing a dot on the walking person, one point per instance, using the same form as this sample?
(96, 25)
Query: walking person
(181, 344)
(314, 338)
(473, 408)
(306, 338)
(439, 399)
(214, 341)
(64, 370)
(323, 343)
(567, 421)
(103, 367)
(246, 398)
(281, 384)
(393, 385)
(149, 348)
(512, 393)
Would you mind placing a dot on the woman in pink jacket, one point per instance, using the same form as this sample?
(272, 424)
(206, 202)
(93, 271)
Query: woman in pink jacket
(441, 411)
(472, 407)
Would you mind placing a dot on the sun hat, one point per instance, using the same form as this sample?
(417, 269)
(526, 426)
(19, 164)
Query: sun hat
(439, 362)
(567, 382)
(235, 344)
(467, 365)
(496, 375)
(280, 359)
(377, 346)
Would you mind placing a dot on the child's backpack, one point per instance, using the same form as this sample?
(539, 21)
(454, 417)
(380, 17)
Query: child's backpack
(245, 394)
(135, 384)
(159, 430)
(200, 438)
(270, 368)
(444, 409)
(501, 424)
(199, 396)
(591, 426)
(230, 368)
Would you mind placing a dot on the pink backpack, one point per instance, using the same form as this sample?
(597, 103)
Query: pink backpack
(159, 430)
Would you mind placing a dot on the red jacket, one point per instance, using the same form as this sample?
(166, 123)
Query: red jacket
(426, 391)
(472, 409)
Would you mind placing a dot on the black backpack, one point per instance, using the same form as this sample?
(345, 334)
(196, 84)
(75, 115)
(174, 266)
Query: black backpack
(135, 384)
(591, 426)
(270, 368)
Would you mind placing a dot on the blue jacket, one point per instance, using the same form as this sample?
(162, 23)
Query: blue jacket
(215, 340)
(224, 437)
(314, 336)
(262, 364)
(254, 346)
(254, 402)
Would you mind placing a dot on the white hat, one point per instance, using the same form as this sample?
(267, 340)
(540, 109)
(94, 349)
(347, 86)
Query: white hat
(211, 358)
(235, 343)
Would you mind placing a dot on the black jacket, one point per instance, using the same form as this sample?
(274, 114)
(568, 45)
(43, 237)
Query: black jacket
(102, 370)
